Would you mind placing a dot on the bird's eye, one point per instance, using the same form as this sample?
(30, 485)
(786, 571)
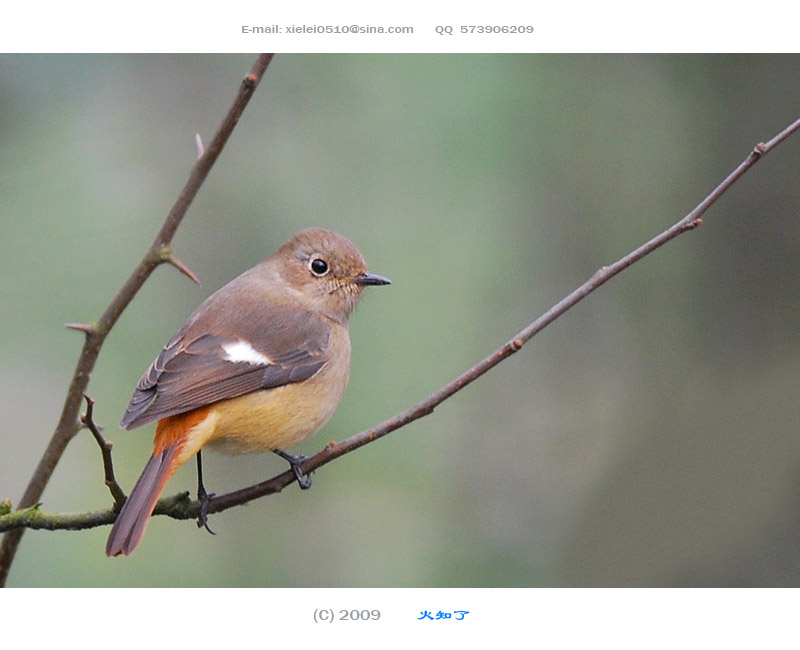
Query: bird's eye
(318, 266)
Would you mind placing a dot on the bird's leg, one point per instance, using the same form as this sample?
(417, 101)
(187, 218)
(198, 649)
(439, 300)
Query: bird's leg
(303, 480)
(203, 496)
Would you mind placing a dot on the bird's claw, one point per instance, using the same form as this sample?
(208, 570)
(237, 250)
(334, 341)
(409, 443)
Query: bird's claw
(295, 461)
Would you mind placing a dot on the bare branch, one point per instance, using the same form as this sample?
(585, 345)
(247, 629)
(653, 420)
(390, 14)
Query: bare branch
(334, 450)
(105, 449)
(181, 507)
(69, 423)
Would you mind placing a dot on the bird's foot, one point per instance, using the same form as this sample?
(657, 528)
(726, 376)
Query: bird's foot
(303, 480)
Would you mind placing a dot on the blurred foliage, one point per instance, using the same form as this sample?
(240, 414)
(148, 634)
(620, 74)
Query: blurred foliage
(649, 437)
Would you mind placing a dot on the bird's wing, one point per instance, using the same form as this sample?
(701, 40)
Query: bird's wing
(223, 352)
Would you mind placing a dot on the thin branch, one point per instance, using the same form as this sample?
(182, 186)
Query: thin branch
(105, 450)
(181, 507)
(427, 405)
(69, 422)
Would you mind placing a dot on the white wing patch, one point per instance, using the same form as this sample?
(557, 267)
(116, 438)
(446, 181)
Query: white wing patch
(242, 352)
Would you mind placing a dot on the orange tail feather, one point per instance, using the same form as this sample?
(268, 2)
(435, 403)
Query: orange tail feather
(132, 520)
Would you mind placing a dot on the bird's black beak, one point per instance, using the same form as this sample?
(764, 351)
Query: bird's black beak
(371, 279)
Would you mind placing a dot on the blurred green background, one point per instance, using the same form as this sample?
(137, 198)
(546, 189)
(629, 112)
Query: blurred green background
(649, 437)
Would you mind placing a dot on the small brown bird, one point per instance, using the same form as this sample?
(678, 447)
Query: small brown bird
(260, 366)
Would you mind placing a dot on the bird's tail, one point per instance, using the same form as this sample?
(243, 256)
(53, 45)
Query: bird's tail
(132, 520)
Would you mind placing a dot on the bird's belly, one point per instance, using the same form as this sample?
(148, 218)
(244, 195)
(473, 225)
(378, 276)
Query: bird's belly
(277, 418)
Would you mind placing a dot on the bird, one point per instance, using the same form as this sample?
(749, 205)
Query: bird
(260, 365)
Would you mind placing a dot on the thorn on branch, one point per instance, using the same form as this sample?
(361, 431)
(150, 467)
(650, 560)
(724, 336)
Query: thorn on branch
(105, 449)
(198, 143)
(86, 328)
(171, 259)
(165, 255)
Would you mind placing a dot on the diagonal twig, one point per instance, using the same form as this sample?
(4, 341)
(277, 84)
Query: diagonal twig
(181, 507)
(426, 406)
